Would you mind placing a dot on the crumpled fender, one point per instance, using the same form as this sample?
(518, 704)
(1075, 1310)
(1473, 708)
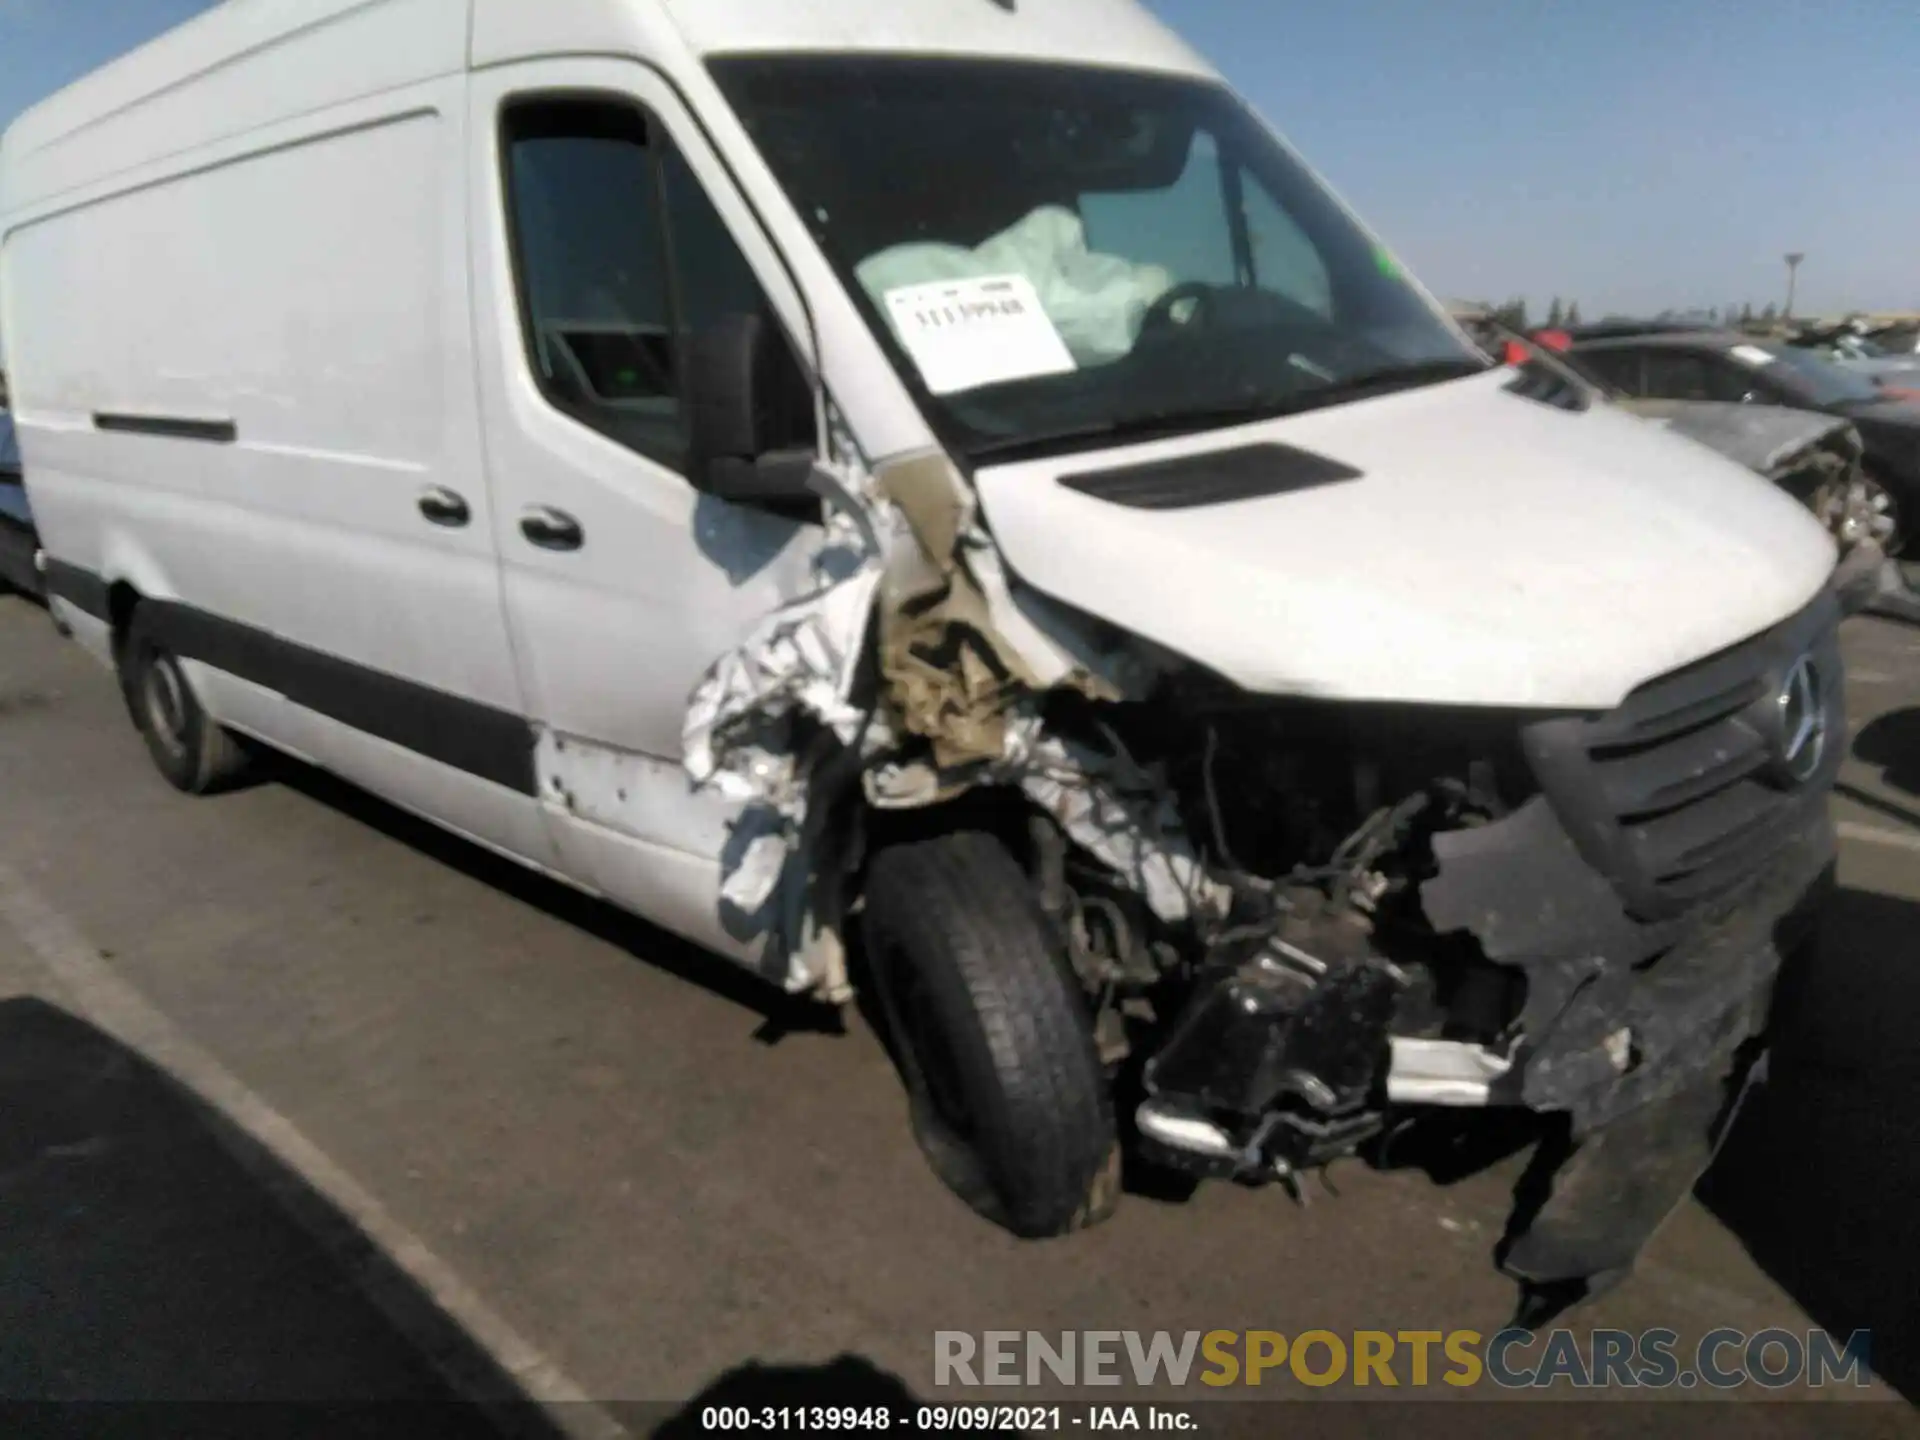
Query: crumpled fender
(915, 656)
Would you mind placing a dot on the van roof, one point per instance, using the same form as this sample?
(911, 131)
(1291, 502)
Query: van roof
(1119, 33)
(247, 63)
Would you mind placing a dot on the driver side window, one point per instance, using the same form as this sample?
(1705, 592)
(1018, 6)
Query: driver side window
(619, 258)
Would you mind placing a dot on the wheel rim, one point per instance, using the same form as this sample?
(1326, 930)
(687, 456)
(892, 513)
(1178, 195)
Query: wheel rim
(166, 705)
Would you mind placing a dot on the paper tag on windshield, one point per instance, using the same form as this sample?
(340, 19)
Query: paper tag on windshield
(1751, 355)
(966, 333)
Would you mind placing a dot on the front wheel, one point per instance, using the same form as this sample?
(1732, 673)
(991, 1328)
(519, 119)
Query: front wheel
(1009, 1100)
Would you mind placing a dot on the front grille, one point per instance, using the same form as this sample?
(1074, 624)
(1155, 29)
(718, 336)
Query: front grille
(1684, 791)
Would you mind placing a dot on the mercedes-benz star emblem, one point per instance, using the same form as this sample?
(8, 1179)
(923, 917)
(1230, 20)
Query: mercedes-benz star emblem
(1802, 733)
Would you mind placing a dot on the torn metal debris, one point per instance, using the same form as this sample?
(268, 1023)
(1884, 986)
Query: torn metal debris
(948, 703)
(1290, 916)
(1768, 439)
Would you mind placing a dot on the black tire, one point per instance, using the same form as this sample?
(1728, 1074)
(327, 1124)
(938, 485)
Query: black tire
(991, 1033)
(189, 748)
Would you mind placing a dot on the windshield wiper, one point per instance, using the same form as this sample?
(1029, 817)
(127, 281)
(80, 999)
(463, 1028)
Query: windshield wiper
(1158, 424)
(1386, 379)
(1142, 425)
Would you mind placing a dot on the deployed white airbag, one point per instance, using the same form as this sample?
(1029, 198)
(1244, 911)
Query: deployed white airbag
(1092, 303)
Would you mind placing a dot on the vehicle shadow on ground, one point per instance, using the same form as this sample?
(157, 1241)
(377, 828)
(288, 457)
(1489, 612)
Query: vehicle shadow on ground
(1820, 1175)
(1892, 742)
(159, 1265)
(780, 1014)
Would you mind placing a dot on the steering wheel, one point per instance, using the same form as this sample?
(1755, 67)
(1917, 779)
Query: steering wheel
(1159, 319)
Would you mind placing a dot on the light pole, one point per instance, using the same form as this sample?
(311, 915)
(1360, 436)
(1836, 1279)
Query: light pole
(1793, 271)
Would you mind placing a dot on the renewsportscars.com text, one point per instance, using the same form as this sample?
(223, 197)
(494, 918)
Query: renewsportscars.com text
(1656, 1359)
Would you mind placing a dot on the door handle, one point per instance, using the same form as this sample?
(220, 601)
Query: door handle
(552, 529)
(443, 507)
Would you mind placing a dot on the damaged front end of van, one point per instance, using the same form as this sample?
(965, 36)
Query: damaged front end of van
(1302, 927)
(1355, 734)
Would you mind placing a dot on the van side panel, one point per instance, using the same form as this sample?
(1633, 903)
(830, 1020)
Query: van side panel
(236, 267)
(303, 297)
(294, 294)
(232, 71)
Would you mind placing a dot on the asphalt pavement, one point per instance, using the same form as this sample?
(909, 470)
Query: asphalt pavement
(302, 1099)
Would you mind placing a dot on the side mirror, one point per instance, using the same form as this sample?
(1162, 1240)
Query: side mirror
(752, 416)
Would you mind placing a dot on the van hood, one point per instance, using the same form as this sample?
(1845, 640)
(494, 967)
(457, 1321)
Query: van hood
(1490, 550)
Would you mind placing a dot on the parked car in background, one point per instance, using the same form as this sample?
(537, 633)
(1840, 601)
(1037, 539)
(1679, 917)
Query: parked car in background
(1813, 456)
(1728, 366)
(19, 545)
(1899, 339)
(1851, 348)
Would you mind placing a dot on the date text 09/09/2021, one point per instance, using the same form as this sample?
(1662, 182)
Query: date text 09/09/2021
(936, 1419)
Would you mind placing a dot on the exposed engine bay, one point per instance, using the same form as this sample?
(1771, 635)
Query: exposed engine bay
(1263, 1029)
(1297, 923)
(1411, 926)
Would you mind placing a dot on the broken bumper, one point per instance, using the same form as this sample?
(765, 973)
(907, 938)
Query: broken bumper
(1647, 894)
(1621, 1031)
(1618, 1016)
(1646, 1054)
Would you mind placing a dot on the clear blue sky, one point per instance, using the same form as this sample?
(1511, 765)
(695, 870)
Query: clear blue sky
(1633, 154)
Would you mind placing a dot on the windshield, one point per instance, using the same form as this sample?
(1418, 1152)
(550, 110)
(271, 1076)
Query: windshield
(1813, 376)
(1057, 256)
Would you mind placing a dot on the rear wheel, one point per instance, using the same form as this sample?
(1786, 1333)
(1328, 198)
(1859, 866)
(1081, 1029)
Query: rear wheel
(1009, 1100)
(189, 748)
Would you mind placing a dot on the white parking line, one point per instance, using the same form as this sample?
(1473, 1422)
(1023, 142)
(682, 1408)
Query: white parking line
(75, 972)
(1874, 835)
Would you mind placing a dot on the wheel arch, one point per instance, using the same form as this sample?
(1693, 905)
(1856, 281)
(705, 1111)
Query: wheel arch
(851, 830)
(123, 598)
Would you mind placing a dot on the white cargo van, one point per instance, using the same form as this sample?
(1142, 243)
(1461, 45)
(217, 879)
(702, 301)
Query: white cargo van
(943, 474)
